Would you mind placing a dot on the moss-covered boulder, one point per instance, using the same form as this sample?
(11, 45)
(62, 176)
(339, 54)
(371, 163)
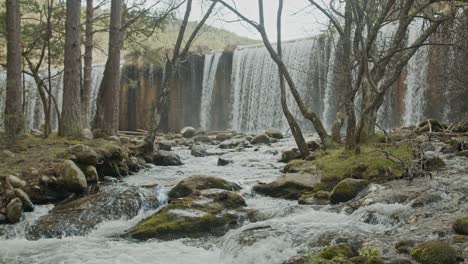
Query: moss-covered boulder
(461, 226)
(261, 139)
(166, 158)
(73, 178)
(196, 183)
(319, 198)
(28, 206)
(434, 252)
(337, 252)
(208, 212)
(14, 210)
(434, 163)
(284, 188)
(188, 132)
(463, 153)
(83, 154)
(367, 260)
(289, 155)
(346, 190)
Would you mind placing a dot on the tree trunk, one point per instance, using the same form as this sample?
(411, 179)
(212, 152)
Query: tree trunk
(107, 113)
(70, 120)
(14, 123)
(88, 66)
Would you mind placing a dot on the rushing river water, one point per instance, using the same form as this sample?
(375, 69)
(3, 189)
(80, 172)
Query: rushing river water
(284, 231)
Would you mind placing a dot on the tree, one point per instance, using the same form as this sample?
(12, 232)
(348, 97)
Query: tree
(160, 110)
(14, 102)
(70, 121)
(107, 113)
(87, 65)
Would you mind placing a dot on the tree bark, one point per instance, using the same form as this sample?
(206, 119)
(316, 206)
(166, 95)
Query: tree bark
(14, 123)
(70, 120)
(107, 113)
(293, 125)
(88, 66)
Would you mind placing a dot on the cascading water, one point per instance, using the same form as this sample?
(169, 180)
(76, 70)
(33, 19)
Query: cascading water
(209, 74)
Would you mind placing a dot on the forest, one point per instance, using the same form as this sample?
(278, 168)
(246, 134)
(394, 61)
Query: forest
(234, 131)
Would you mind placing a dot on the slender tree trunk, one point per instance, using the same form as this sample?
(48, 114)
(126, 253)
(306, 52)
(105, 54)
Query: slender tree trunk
(293, 125)
(88, 66)
(48, 109)
(107, 114)
(14, 123)
(71, 122)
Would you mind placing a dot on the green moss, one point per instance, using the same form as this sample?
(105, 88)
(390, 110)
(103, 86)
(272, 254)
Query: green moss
(283, 189)
(197, 183)
(434, 163)
(337, 164)
(434, 252)
(461, 226)
(460, 239)
(346, 190)
(337, 252)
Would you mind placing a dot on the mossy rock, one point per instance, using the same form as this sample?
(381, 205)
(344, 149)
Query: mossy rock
(461, 226)
(346, 190)
(367, 260)
(197, 183)
(434, 163)
(463, 153)
(338, 251)
(208, 213)
(296, 165)
(318, 198)
(434, 252)
(289, 155)
(283, 189)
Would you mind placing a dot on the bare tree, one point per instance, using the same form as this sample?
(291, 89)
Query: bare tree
(88, 65)
(13, 108)
(70, 121)
(107, 113)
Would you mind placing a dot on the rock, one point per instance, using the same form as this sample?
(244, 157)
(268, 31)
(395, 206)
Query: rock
(426, 199)
(28, 206)
(14, 210)
(405, 246)
(260, 139)
(227, 144)
(289, 155)
(223, 162)
(367, 260)
(196, 183)
(312, 145)
(224, 136)
(166, 158)
(463, 153)
(447, 149)
(461, 226)
(7, 153)
(274, 133)
(90, 173)
(83, 154)
(434, 252)
(338, 251)
(400, 261)
(319, 198)
(434, 163)
(87, 134)
(427, 146)
(210, 212)
(346, 190)
(16, 182)
(198, 151)
(165, 145)
(286, 189)
(73, 178)
(3, 219)
(115, 139)
(188, 132)
(80, 216)
(203, 139)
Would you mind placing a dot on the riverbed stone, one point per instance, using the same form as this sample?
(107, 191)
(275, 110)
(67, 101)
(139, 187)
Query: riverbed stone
(15, 181)
(260, 139)
(188, 132)
(434, 252)
(274, 133)
(338, 251)
(434, 163)
(90, 173)
(165, 145)
(289, 155)
(209, 212)
(460, 226)
(196, 183)
(14, 210)
(203, 139)
(285, 188)
(346, 190)
(198, 151)
(83, 154)
(28, 206)
(73, 178)
(224, 162)
(80, 216)
(166, 158)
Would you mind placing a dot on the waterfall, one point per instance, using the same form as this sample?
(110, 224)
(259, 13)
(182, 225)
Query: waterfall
(416, 79)
(209, 75)
(329, 107)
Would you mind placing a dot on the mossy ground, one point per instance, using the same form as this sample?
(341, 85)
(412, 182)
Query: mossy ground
(382, 162)
(33, 152)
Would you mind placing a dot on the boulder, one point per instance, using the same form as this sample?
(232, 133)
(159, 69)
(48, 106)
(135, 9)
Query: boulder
(434, 252)
(90, 173)
(338, 251)
(83, 154)
(209, 212)
(224, 136)
(312, 145)
(3, 219)
(434, 163)
(165, 145)
(188, 132)
(427, 146)
(461, 226)
(346, 190)
(166, 158)
(203, 139)
(318, 198)
(16, 182)
(14, 210)
(80, 216)
(274, 133)
(463, 153)
(198, 151)
(447, 149)
(260, 139)
(87, 134)
(286, 189)
(223, 162)
(197, 183)
(28, 206)
(289, 155)
(73, 178)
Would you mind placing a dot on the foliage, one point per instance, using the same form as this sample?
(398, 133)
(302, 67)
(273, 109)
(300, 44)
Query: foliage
(369, 252)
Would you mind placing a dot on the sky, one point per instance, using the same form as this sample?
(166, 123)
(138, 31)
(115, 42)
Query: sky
(300, 20)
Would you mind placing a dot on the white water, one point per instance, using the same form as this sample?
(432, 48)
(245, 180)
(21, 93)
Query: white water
(209, 75)
(290, 224)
